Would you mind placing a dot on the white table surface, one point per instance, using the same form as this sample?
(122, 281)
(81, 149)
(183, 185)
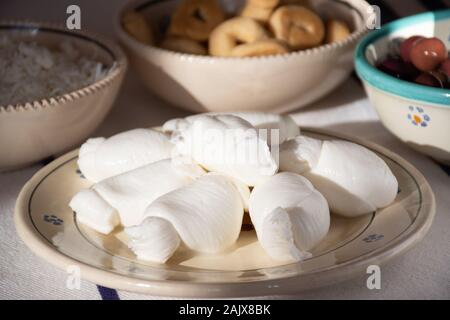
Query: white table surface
(422, 273)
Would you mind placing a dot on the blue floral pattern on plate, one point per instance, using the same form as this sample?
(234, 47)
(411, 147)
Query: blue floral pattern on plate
(80, 174)
(51, 218)
(373, 238)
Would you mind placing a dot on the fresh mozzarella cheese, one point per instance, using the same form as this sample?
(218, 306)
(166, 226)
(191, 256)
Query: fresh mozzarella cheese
(155, 239)
(206, 215)
(101, 158)
(226, 144)
(93, 211)
(299, 154)
(278, 128)
(353, 179)
(290, 217)
(283, 124)
(129, 194)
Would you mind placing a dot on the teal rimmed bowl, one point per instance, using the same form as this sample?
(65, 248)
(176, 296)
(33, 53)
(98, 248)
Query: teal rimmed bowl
(418, 115)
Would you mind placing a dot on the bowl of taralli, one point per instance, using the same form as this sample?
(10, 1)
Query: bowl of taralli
(254, 55)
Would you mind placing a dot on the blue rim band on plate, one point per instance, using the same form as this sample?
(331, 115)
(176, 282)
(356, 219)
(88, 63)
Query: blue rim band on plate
(385, 82)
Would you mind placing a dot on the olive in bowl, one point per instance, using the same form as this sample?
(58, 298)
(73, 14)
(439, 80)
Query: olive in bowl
(409, 92)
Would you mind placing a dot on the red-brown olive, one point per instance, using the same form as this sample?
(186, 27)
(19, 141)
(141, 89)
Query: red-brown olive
(428, 53)
(399, 69)
(406, 46)
(445, 67)
(430, 79)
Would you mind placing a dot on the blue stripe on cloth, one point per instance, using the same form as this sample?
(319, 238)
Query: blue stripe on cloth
(107, 293)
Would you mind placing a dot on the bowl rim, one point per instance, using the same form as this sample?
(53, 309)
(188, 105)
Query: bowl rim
(117, 69)
(382, 81)
(325, 48)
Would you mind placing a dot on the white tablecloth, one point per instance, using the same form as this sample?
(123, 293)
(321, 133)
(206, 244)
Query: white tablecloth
(422, 273)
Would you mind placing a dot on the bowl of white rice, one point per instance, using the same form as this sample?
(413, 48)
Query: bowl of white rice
(56, 87)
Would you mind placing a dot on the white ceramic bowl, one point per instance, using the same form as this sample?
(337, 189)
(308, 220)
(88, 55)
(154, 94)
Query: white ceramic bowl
(418, 115)
(38, 129)
(273, 83)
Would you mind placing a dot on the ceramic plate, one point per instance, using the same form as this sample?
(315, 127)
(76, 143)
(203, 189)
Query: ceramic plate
(50, 228)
